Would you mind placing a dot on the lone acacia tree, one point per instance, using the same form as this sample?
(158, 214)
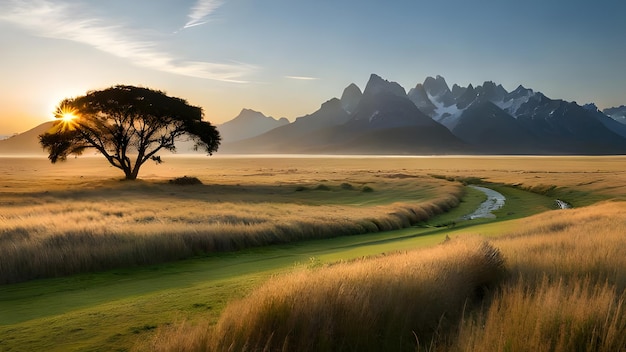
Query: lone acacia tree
(125, 122)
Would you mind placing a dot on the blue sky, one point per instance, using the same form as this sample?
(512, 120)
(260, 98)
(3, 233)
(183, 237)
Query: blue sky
(286, 57)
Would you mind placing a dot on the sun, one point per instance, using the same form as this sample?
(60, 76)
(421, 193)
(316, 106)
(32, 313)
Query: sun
(68, 116)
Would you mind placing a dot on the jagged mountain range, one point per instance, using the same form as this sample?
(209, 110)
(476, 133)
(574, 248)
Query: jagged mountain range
(379, 120)
(430, 119)
(434, 119)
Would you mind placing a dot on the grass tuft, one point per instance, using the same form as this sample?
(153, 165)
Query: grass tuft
(186, 180)
(322, 187)
(346, 186)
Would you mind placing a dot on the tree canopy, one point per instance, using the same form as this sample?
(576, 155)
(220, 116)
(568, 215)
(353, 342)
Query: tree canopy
(125, 123)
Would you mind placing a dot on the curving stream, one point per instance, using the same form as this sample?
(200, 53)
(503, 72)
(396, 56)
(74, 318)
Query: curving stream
(495, 200)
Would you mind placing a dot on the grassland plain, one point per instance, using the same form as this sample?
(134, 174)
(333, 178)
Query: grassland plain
(55, 226)
(115, 320)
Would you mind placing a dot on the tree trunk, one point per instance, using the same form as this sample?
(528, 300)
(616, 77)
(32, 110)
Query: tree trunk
(135, 169)
(130, 174)
(133, 175)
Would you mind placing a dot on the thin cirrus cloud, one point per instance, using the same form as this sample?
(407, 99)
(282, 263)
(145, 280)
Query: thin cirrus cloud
(200, 11)
(62, 21)
(302, 78)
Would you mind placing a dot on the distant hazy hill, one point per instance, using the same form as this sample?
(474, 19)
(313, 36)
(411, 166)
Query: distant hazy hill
(617, 113)
(247, 124)
(304, 135)
(25, 143)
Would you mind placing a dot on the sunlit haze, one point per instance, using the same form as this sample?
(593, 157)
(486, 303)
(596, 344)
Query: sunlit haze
(285, 58)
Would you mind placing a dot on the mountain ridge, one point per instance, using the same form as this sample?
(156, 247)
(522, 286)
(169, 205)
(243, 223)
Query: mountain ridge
(431, 118)
(486, 117)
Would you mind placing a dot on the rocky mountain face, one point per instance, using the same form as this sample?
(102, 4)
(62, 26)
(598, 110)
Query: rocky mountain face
(419, 97)
(432, 118)
(381, 120)
(351, 98)
(521, 121)
(490, 128)
(386, 120)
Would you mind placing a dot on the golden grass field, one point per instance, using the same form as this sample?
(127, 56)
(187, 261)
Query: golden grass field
(563, 289)
(550, 282)
(73, 220)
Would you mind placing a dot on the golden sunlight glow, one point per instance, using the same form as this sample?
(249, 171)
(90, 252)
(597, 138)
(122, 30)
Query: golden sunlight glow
(68, 116)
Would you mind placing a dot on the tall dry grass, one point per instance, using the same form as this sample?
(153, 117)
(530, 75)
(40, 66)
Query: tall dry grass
(565, 290)
(574, 244)
(394, 303)
(557, 316)
(108, 224)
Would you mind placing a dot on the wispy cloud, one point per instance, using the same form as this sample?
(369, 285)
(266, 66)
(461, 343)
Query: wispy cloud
(64, 21)
(302, 78)
(200, 11)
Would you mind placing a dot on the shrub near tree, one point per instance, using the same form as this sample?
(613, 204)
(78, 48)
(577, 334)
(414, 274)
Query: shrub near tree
(128, 125)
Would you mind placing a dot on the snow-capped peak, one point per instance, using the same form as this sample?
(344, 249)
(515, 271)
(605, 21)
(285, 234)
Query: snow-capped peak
(512, 101)
(437, 90)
